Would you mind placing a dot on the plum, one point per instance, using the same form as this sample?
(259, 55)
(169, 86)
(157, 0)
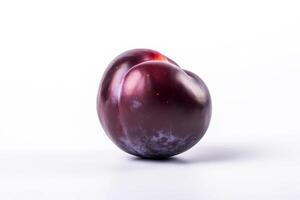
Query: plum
(150, 107)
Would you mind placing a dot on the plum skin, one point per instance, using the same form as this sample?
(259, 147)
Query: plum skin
(150, 107)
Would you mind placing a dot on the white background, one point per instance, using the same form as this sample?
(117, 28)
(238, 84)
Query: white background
(53, 54)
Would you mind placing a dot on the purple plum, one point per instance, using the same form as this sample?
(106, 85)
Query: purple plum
(150, 107)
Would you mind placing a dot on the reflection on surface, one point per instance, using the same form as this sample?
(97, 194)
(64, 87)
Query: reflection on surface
(156, 182)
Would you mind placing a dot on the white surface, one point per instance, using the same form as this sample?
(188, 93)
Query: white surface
(52, 56)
